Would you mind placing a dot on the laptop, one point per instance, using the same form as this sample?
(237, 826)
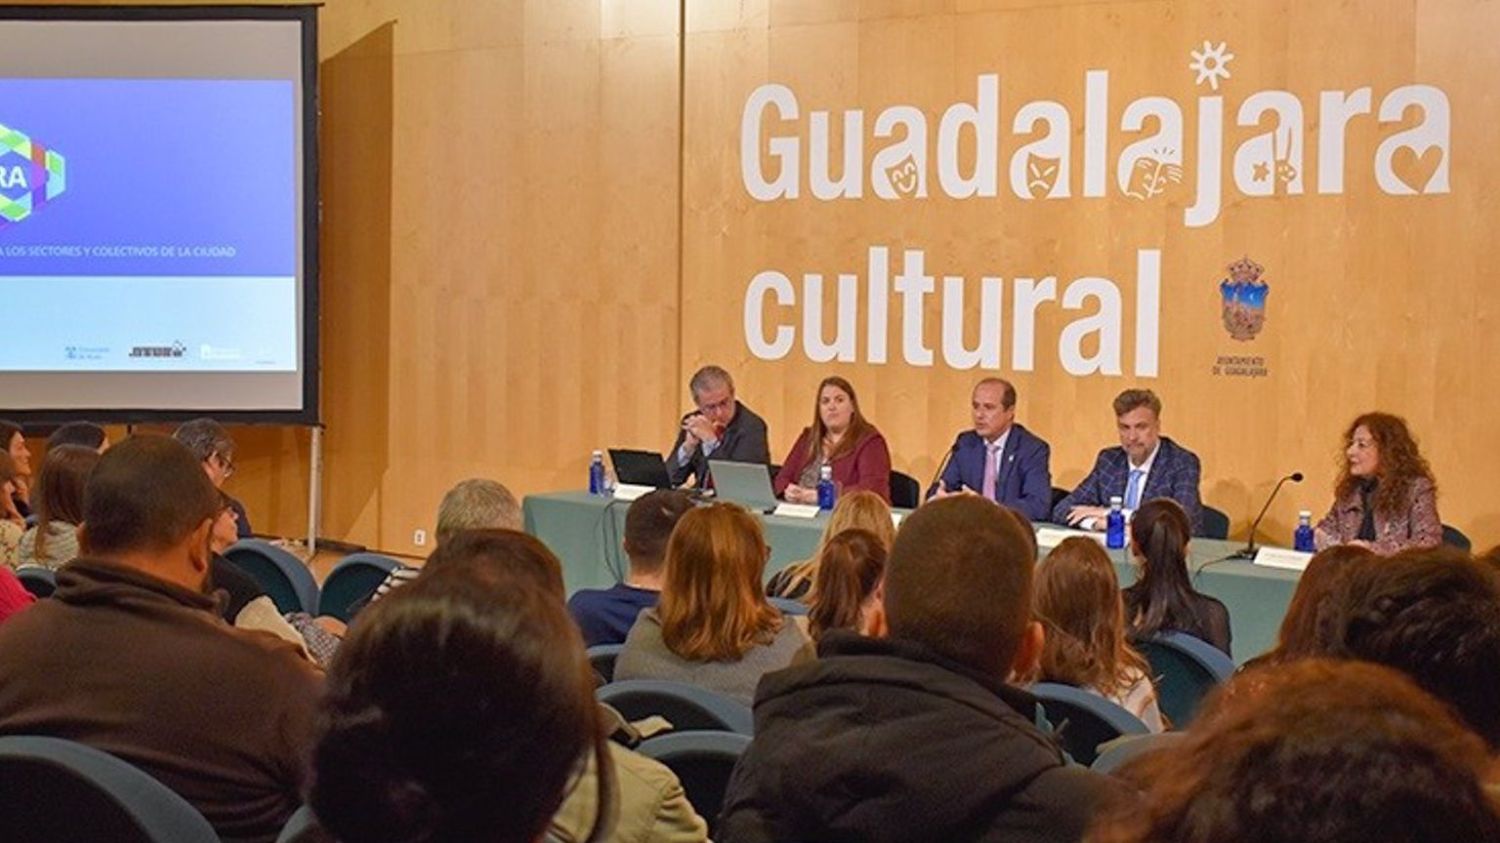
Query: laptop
(640, 468)
(745, 483)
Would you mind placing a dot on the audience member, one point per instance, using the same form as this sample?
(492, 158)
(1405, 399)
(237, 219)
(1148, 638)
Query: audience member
(473, 504)
(918, 736)
(1386, 498)
(1434, 615)
(467, 640)
(1307, 628)
(605, 615)
(1146, 465)
(721, 428)
(849, 592)
(712, 626)
(53, 540)
(220, 715)
(1313, 751)
(1078, 602)
(1162, 598)
(841, 438)
(86, 434)
(999, 459)
(12, 524)
(13, 595)
(13, 442)
(214, 448)
(861, 510)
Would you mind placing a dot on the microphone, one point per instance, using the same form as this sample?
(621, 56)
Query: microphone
(1248, 551)
(942, 466)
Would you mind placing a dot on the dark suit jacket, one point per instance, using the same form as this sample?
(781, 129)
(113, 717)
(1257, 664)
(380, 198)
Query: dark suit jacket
(1025, 479)
(1174, 475)
(744, 440)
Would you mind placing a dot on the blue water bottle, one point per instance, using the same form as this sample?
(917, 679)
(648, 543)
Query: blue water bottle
(596, 474)
(827, 495)
(1303, 539)
(1114, 532)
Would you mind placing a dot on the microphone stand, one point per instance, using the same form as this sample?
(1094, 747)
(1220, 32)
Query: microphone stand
(938, 475)
(1249, 550)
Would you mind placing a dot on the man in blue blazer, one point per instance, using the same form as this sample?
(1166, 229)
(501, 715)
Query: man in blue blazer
(999, 459)
(1146, 465)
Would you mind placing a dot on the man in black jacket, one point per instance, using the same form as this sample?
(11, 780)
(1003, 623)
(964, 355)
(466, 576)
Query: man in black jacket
(721, 428)
(918, 736)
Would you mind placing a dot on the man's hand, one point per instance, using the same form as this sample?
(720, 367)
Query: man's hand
(1079, 514)
(943, 492)
(699, 429)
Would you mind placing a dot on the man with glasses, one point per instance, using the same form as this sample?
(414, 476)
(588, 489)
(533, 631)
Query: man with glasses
(721, 428)
(212, 445)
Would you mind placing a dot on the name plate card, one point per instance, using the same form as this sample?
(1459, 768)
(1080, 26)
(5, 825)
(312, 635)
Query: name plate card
(1280, 557)
(796, 510)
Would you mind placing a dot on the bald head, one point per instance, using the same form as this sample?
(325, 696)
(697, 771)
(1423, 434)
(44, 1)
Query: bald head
(959, 582)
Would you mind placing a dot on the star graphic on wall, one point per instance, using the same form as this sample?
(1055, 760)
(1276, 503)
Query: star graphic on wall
(1210, 64)
(1262, 171)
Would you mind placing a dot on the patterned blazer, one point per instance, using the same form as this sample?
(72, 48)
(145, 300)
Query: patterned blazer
(1417, 525)
(1173, 475)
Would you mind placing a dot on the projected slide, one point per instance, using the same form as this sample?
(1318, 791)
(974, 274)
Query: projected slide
(149, 225)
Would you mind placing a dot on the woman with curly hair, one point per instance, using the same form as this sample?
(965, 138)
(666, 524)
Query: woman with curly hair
(1386, 498)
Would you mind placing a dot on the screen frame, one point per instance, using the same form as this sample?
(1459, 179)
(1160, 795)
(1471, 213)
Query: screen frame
(309, 414)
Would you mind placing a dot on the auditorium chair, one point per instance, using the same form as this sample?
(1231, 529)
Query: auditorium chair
(703, 762)
(1081, 720)
(1453, 537)
(301, 823)
(602, 658)
(52, 789)
(906, 492)
(1117, 753)
(687, 707)
(41, 582)
(1215, 523)
(1058, 493)
(1186, 670)
(284, 577)
(351, 583)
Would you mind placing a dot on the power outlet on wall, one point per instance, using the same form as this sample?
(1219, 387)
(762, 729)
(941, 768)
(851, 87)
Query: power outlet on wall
(419, 538)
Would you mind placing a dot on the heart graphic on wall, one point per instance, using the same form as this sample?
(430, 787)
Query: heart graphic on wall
(1416, 170)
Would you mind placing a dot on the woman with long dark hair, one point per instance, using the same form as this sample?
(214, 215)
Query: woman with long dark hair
(53, 540)
(840, 437)
(849, 591)
(1162, 598)
(1386, 498)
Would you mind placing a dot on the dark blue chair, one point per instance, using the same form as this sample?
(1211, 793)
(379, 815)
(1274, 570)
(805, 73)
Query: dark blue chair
(302, 823)
(906, 492)
(1215, 523)
(1116, 754)
(351, 583)
(602, 658)
(687, 707)
(1081, 720)
(41, 582)
(788, 606)
(1186, 669)
(52, 789)
(1454, 537)
(284, 577)
(703, 762)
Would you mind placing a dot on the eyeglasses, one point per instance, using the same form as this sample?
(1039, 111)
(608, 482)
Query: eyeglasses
(717, 405)
(226, 465)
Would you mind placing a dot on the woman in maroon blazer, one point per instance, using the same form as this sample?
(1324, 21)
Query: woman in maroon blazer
(841, 437)
(1386, 499)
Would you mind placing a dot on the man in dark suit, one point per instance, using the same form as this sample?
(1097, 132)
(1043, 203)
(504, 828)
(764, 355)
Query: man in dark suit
(999, 459)
(1146, 465)
(721, 428)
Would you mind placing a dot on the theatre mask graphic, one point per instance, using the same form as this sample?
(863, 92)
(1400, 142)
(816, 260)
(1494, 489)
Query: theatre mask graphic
(1244, 299)
(31, 175)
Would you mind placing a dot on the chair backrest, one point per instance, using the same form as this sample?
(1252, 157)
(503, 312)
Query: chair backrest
(788, 606)
(1454, 537)
(52, 789)
(906, 492)
(302, 823)
(602, 658)
(1186, 669)
(351, 582)
(1116, 754)
(1215, 523)
(1082, 720)
(41, 582)
(703, 762)
(687, 707)
(284, 577)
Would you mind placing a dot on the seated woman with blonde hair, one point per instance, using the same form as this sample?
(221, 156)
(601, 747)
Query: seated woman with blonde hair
(857, 510)
(849, 592)
(1078, 602)
(713, 627)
